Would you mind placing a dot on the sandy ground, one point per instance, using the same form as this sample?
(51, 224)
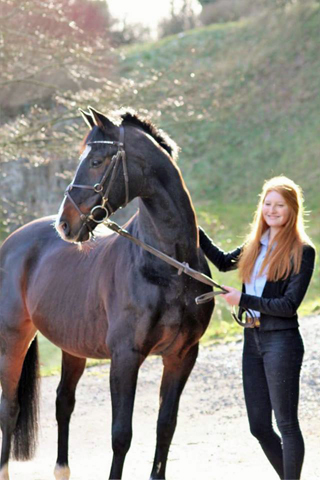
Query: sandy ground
(212, 440)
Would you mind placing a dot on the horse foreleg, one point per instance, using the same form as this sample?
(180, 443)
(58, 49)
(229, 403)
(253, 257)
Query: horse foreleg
(72, 369)
(123, 380)
(175, 374)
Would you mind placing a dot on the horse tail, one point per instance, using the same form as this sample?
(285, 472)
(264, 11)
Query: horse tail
(26, 431)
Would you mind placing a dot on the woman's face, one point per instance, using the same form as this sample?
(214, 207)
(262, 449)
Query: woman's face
(275, 210)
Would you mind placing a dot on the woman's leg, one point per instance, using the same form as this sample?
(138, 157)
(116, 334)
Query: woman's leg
(258, 402)
(283, 354)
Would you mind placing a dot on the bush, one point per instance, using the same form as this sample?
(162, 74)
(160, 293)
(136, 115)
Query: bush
(222, 11)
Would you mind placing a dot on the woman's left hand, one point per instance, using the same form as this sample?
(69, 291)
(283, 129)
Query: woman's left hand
(233, 296)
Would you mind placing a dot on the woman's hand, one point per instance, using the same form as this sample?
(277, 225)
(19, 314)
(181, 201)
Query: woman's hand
(232, 297)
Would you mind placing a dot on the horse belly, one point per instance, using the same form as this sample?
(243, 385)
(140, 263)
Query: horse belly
(64, 317)
(78, 337)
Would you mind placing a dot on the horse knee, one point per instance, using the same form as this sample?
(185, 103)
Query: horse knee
(121, 440)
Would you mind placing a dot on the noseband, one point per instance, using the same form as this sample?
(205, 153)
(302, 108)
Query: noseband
(112, 168)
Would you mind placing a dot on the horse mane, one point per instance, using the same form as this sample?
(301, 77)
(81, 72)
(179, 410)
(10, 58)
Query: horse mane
(132, 117)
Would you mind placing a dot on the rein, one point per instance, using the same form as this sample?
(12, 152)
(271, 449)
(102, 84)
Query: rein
(182, 267)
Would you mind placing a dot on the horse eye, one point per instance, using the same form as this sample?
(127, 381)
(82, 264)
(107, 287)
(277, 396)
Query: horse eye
(96, 162)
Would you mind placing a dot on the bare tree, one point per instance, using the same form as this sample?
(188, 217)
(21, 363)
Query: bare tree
(47, 47)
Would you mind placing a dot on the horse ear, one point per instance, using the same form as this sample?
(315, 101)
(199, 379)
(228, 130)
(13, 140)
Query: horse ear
(100, 120)
(87, 118)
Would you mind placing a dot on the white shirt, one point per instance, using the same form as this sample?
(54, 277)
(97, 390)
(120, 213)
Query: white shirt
(257, 283)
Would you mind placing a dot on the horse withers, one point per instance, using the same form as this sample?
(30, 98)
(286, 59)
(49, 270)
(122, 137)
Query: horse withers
(105, 298)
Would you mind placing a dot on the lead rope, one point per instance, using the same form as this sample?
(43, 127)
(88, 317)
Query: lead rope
(182, 267)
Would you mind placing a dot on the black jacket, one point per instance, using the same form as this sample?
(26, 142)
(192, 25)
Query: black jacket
(280, 300)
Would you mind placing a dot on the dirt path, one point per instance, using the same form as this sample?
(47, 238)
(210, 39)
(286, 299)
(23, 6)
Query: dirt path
(212, 440)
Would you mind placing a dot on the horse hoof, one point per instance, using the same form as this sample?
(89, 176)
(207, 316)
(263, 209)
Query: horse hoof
(4, 473)
(60, 472)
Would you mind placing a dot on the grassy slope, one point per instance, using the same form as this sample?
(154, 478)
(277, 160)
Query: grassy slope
(242, 100)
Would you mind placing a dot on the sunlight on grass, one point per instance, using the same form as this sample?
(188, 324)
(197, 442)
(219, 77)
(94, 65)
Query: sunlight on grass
(50, 357)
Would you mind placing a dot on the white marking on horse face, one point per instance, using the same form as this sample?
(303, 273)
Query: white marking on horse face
(58, 220)
(61, 473)
(85, 153)
(83, 156)
(4, 472)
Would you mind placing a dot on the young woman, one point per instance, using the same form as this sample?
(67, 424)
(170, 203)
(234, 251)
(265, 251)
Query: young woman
(275, 265)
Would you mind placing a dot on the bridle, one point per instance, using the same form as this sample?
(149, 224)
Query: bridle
(112, 168)
(106, 208)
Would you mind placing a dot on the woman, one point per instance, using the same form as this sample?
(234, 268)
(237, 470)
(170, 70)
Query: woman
(275, 265)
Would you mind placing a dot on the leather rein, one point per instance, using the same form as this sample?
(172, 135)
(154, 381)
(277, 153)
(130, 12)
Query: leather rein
(107, 210)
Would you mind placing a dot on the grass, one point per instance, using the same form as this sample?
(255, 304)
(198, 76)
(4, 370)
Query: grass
(50, 357)
(242, 100)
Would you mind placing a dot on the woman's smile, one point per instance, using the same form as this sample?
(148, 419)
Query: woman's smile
(275, 210)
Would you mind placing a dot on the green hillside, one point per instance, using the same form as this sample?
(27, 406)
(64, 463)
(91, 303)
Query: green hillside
(242, 101)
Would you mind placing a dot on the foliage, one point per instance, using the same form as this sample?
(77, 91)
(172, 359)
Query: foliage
(178, 21)
(221, 11)
(58, 46)
(124, 33)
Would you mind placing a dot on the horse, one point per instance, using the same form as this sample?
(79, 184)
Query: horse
(100, 296)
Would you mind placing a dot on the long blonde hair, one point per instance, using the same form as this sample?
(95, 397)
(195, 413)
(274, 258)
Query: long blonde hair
(284, 254)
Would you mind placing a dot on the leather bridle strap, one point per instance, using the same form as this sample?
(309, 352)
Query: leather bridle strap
(99, 187)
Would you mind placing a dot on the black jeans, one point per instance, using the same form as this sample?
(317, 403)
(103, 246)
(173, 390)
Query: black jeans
(271, 373)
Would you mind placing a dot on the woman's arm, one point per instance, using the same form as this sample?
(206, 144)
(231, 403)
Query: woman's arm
(287, 305)
(222, 260)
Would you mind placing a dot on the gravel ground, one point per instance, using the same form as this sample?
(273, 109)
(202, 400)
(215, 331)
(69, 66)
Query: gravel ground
(212, 440)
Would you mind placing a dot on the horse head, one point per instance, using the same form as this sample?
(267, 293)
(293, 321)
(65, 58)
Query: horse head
(101, 183)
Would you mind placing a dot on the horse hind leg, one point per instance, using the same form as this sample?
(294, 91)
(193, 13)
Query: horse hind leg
(71, 372)
(19, 376)
(175, 375)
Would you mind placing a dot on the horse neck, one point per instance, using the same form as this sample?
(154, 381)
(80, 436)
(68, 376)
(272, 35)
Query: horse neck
(167, 218)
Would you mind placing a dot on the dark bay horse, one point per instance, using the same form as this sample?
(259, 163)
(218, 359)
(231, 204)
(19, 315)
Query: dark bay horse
(105, 298)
